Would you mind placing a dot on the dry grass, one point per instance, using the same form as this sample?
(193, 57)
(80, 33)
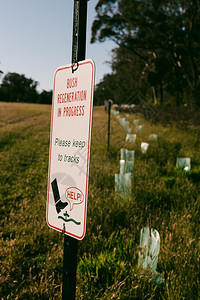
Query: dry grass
(31, 253)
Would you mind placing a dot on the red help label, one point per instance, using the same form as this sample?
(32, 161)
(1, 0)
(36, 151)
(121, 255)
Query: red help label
(74, 196)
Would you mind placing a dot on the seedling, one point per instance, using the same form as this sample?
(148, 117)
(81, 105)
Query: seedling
(131, 137)
(144, 147)
(183, 163)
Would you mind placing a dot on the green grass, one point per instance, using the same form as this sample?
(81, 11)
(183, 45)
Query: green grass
(31, 253)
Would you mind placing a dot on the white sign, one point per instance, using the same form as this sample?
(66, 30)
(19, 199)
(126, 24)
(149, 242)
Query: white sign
(70, 149)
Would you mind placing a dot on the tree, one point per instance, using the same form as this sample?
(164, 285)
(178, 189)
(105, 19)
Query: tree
(18, 88)
(105, 89)
(163, 35)
(45, 97)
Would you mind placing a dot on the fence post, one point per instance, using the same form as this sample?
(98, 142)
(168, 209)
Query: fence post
(109, 108)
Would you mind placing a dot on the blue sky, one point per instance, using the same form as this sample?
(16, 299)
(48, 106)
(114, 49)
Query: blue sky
(36, 38)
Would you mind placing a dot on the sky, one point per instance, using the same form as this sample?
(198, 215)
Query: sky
(36, 39)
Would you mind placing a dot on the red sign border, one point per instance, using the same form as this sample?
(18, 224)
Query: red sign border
(88, 61)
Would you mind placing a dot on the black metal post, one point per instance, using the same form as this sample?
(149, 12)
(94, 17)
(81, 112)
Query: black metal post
(109, 107)
(69, 268)
(82, 29)
(75, 32)
(71, 244)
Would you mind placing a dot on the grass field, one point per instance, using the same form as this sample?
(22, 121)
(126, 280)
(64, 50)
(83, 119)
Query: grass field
(31, 253)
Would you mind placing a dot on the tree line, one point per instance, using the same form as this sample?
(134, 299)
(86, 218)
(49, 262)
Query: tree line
(157, 54)
(18, 88)
(157, 50)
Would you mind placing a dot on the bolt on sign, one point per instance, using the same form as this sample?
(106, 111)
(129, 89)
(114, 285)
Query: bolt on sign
(70, 149)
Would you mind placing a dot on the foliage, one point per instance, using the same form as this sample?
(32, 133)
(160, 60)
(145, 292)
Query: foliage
(45, 97)
(18, 88)
(157, 44)
(31, 253)
(104, 90)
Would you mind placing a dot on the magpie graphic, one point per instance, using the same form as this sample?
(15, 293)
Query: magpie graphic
(59, 204)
